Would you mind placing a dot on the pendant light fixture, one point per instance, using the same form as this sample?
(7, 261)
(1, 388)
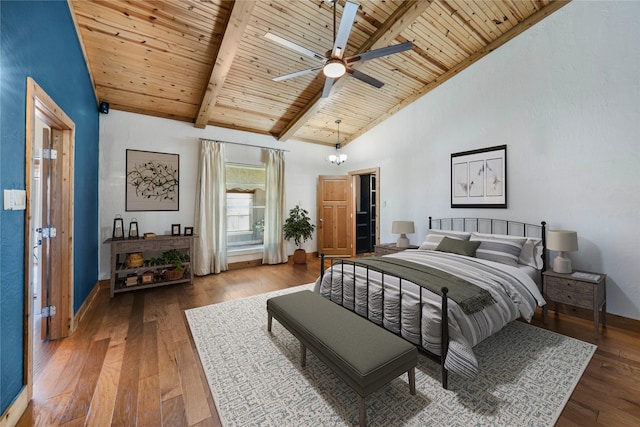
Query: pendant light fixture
(338, 158)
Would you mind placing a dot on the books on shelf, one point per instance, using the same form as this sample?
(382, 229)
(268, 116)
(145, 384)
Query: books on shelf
(131, 280)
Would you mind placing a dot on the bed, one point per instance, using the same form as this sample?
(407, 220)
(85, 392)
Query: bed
(468, 279)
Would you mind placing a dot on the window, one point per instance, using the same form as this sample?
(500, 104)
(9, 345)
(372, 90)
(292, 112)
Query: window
(245, 206)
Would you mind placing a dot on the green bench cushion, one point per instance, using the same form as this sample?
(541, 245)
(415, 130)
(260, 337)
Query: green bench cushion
(363, 354)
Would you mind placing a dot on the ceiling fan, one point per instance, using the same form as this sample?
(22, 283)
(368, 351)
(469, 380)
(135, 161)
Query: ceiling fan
(335, 64)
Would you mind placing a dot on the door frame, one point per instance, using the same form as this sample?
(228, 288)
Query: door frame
(39, 104)
(353, 175)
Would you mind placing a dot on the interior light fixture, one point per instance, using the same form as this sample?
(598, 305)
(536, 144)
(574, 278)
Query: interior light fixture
(402, 228)
(562, 241)
(334, 68)
(338, 158)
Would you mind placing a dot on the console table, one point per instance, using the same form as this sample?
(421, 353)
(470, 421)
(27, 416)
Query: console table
(120, 272)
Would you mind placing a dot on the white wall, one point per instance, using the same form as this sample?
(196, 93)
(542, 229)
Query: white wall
(120, 131)
(565, 98)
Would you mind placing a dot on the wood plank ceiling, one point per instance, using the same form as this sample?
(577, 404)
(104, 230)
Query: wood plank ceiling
(208, 62)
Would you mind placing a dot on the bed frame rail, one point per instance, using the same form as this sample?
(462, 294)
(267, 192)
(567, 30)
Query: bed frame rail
(444, 323)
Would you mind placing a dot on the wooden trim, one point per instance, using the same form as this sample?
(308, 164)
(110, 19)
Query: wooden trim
(41, 105)
(87, 305)
(400, 19)
(238, 20)
(613, 320)
(245, 264)
(513, 32)
(14, 411)
(84, 50)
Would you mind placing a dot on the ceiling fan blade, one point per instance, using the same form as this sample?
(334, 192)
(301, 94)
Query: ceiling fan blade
(328, 84)
(377, 53)
(364, 77)
(296, 47)
(297, 73)
(346, 22)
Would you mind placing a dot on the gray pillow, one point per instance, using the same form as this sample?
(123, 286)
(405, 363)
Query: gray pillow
(460, 247)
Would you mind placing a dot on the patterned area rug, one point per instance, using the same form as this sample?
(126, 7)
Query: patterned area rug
(527, 375)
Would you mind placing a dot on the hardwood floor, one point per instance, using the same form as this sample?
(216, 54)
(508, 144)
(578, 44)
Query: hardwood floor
(132, 361)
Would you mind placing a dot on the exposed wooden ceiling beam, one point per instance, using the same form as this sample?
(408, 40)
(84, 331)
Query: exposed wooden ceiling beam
(513, 32)
(401, 18)
(238, 20)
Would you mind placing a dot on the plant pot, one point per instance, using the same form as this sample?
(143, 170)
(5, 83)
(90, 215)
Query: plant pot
(299, 256)
(173, 274)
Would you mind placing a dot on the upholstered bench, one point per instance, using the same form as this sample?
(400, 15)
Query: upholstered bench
(363, 354)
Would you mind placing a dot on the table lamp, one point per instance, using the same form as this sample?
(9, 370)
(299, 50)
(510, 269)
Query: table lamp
(403, 228)
(562, 241)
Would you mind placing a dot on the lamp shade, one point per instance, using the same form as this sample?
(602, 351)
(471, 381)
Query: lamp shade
(562, 240)
(402, 227)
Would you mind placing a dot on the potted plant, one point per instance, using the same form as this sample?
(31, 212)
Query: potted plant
(299, 228)
(175, 258)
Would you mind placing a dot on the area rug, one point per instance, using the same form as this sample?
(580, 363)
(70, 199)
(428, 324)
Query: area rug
(527, 375)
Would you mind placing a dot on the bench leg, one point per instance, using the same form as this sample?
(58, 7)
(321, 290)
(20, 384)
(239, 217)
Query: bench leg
(269, 318)
(303, 355)
(362, 410)
(412, 380)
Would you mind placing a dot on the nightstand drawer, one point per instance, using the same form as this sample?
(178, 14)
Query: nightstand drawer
(569, 292)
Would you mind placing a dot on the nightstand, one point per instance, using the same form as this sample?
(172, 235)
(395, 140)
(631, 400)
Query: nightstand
(579, 289)
(390, 248)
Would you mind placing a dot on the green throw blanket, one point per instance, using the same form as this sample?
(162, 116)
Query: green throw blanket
(471, 298)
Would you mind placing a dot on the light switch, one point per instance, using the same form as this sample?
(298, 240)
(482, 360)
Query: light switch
(15, 200)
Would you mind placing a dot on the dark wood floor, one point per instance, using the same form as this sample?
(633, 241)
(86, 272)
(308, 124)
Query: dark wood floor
(132, 362)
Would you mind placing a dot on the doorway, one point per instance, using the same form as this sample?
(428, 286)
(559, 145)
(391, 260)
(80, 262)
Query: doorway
(366, 197)
(49, 224)
(349, 208)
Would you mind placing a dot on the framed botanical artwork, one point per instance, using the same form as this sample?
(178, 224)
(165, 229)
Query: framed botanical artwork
(188, 231)
(175, 229)
(479, 178)
(153, 181)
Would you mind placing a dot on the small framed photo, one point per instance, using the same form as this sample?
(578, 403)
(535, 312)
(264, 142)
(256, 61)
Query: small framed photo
(175, 229)
(188, 231)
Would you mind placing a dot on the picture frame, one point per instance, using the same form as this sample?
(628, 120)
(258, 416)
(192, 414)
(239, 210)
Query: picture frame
(188, 231)
(479, 178)
(152, 181)
(175, 229)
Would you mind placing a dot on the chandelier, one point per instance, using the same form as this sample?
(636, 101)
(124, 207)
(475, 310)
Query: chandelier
(338, 158)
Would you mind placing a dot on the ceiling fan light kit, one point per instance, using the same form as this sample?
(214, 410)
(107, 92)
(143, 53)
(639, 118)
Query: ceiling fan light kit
(336, 65)
(334, 68)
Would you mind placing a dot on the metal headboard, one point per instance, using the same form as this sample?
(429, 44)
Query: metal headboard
(495, 226)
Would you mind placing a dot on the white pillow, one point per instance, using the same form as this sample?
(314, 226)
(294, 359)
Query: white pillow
(531, 253)
(498, 247)
(434, 237)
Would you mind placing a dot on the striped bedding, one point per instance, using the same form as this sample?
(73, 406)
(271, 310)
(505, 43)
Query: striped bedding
(515, 292)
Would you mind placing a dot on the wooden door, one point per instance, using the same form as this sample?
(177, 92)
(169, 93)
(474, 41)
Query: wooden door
(45, 266)
(334, 215)
(54, 289)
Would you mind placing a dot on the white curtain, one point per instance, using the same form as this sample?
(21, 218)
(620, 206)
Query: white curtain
(211, 211)
(274, 249)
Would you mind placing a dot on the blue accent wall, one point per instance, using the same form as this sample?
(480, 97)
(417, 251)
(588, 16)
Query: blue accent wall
(38, 39)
